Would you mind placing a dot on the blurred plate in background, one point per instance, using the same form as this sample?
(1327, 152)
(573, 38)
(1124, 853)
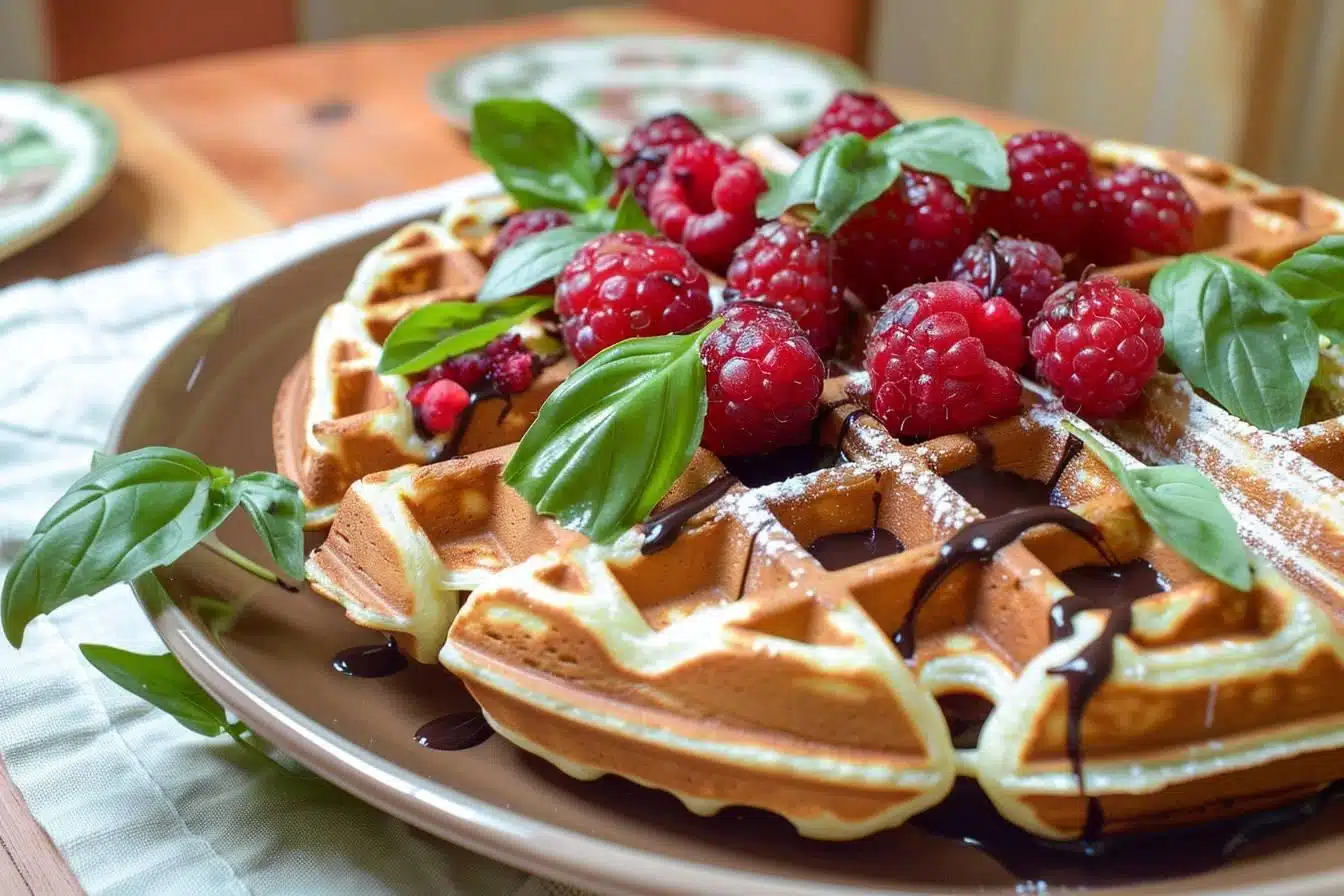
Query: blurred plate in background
(56, 157)
(732, 86)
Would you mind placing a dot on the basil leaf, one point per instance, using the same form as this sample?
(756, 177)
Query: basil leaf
(629, 216)
(443, 330)
(608, 444)
(1315, 277)
(99, 460)
(274, 505)
(132, 513)
(541, 157)
(160, 681)
(532, 261)
(837, 179)
(1185, 510)
(1239, 337)
(958, 149)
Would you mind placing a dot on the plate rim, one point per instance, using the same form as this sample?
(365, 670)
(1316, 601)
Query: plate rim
(540, 847)
(107, 148)
(441, 83)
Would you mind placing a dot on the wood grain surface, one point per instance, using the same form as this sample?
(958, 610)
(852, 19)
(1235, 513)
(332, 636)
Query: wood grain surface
(222, 148)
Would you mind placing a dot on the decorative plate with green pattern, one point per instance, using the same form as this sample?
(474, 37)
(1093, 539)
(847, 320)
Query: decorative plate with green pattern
(733, 86)
(56, 156)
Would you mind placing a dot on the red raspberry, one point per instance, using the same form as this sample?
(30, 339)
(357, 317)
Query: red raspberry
(1051, 193)
(525, 224)
(910, 234)
(512, 372)
(851, 112)
(705, 199)
(936, 360)
(443, 401)
(1026, 272)
(646, 150)
(416, 394)
(507, 344)
(466, 370)
(786, 266)
(1097, 343)
(1141, 208)
(620, 285)
(763, 379)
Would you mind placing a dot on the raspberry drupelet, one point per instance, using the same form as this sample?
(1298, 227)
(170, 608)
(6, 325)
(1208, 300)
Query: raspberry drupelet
(1097, 343)
(851, 112)
(1051, 195)
(763, 380)
(621, 285)
(941, 359)
(646, 150)
(705, 199)
(791, 268)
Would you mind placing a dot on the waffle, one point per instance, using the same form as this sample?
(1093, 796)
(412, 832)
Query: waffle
(336, 418)
(749, 663)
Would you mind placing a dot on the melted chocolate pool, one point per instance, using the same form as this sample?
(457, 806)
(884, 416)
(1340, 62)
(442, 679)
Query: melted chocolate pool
(370, 660)
(844, 549)
(455, 731)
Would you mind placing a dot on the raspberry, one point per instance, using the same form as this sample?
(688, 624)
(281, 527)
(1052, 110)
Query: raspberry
(786, 266)
(525, 224)
(1141, 208)
(507, 344)
(620, 285)
(441, 404)
(416, 394)
(1026, 272)
(512, 372)
(1051, 193)
(466, 370)
(645, 151)
(763, 379)
(705, 199)
(910, 234)
(1097, 343)
(851, 112)
(936, 360)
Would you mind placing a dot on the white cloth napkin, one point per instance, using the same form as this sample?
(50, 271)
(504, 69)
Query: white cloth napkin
(137, 803)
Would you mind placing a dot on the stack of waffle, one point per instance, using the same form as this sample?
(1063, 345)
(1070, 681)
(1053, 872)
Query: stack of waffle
(786, 650)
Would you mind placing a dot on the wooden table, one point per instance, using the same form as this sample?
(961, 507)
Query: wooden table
(222, 148)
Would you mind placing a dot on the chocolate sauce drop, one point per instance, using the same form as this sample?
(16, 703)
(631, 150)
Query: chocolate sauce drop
(370, 660)
(980, 541)
(1095, 588)
(661, 529)
(843, 549)
(756, 470)
(455, 731)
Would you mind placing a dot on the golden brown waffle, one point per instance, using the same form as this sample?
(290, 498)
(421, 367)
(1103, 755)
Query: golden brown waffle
(733, 667)
(336, 418)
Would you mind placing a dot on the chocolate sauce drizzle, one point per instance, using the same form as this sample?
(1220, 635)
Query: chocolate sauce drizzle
(454, 731)
(1072, 445)
(450, 448)
(370, 660)
(661, 529)
(980, 541)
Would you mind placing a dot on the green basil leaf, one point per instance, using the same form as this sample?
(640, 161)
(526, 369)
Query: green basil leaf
(541, 157)
(1315, 277)
(1239, 337)
(608, 444)
(160, 681)
(837, 179)
(958, 149)
(629, 216)
(533, 261)
(132, 513)
(443, 330)
(274, 505)
(1185, 510)
(99, 460)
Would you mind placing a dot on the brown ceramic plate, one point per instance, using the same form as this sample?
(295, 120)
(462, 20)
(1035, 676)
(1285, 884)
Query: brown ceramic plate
(266, 654)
